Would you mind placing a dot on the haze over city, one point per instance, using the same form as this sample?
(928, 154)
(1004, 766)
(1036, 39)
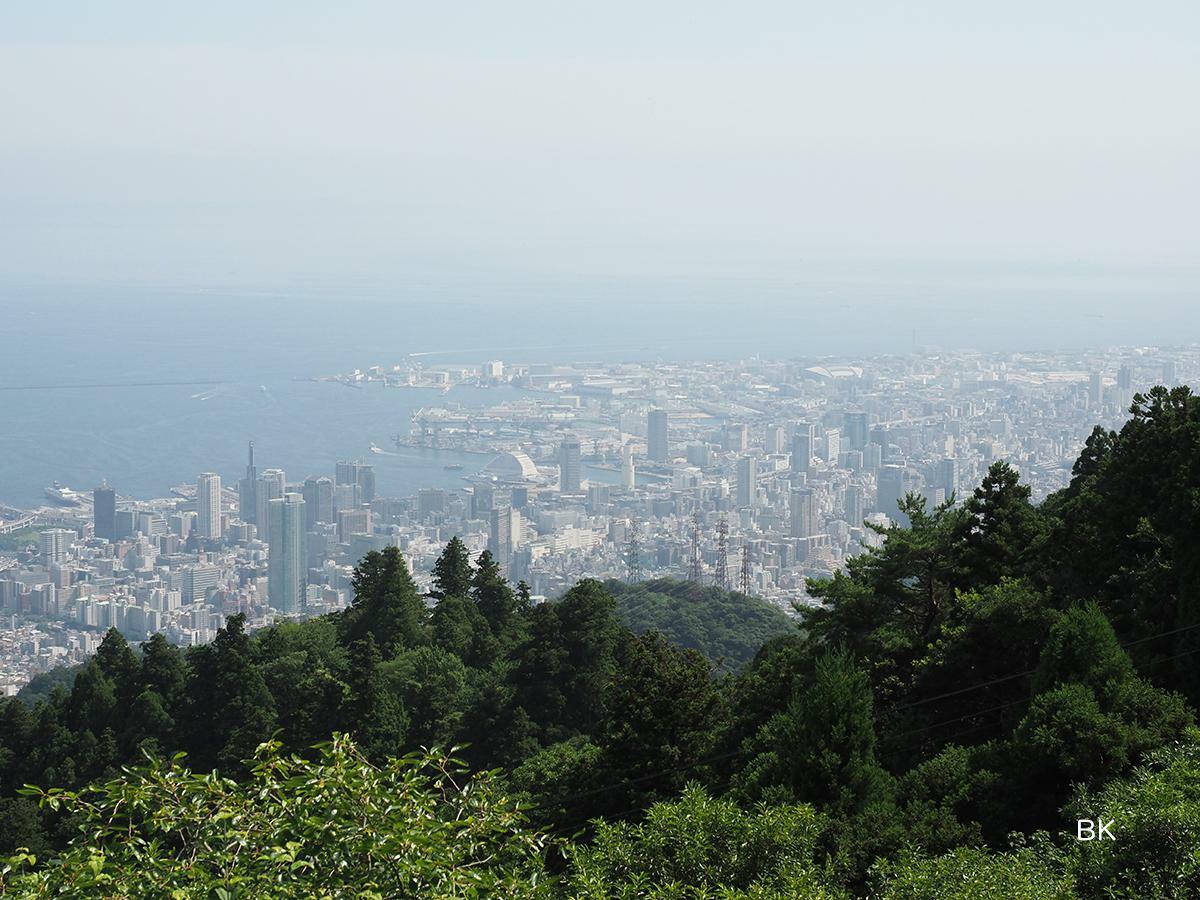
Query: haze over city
(279, 142)
(539, 450)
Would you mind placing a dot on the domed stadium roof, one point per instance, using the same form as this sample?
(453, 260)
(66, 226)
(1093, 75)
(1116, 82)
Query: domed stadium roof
(516, 466)
(830, 373)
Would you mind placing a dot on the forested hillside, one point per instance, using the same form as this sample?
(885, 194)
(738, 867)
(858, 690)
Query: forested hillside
(993, 673)
(724, 626)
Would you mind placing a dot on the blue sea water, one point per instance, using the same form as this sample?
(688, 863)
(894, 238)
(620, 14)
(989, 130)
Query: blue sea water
(144, 434)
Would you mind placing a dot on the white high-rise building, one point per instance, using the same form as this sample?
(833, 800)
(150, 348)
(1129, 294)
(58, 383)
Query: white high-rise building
(55, 544)
(287, 562)
(208, 505)
(270, 486)
(628, 475)
(833, 445)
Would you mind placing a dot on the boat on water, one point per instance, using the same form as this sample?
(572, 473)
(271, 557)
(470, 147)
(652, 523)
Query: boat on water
(61, 495)
(453, 467)
(375, 448)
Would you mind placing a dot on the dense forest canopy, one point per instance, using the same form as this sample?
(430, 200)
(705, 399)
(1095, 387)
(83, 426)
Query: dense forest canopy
(724, 626)
(994, 672)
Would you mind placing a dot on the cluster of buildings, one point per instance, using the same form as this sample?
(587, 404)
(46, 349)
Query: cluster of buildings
(755, 475)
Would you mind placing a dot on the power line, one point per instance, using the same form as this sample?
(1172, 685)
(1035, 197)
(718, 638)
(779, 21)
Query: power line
(1028, 672)
(562, 801)
(1030, 698)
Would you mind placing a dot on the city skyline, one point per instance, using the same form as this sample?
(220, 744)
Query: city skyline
(547, 450)
(759, 474)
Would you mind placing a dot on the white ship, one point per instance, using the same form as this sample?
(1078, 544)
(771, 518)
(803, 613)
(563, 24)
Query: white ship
(63, 496)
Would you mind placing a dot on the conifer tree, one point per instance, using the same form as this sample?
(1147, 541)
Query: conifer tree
(386, 604)
(452, 572)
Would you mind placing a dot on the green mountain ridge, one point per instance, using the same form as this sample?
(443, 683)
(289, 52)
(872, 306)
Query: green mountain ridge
(726, 627)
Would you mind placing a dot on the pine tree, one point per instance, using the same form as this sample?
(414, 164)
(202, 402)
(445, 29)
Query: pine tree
(371, 712)
(1002, 532)
(230, 710)
(452, 573)
(493, 595)
(821, 749)
(386, 605)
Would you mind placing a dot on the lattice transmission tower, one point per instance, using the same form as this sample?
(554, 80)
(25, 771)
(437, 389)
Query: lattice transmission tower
(633, 552)
(745, 585)
(695, 573)
(722, 575)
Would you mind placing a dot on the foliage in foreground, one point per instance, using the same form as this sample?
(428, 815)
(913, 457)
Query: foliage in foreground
(969, 873)
(1156, 816)
(700, 846)
(338, 826)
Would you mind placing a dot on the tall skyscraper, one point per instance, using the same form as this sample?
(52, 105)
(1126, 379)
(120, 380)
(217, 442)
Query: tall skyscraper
(833, 445)
(773, 439)
(891, 492)
(359, 473)
(287, 561)
(104, 512)
(872, 456)
(483, 500)
(318, 500)
(1095, 390)
(353, 521)
(747, 481)
(570, 466)
(346, 496)
(803, 513)
(181, 524)
(599, 496)
(628, 475)
(1169, 377)
(199, 581)
(208, 505)
(504, 535)
(854, 505)
(948, 476)
(1123, 395)
(55, 544)
(802, 448)
(126, 523)
(430, 501)
(1125, 378)
(737, 437)
(270, 486)
(854, 430)
(247, 504)
(658, 434)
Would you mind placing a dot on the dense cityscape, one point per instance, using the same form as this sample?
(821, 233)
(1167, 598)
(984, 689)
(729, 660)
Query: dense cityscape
(752, 475)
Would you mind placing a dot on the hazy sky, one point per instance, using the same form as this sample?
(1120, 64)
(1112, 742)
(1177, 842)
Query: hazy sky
(269, 140)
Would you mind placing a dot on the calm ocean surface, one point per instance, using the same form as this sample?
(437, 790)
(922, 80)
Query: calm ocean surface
(254, 343)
